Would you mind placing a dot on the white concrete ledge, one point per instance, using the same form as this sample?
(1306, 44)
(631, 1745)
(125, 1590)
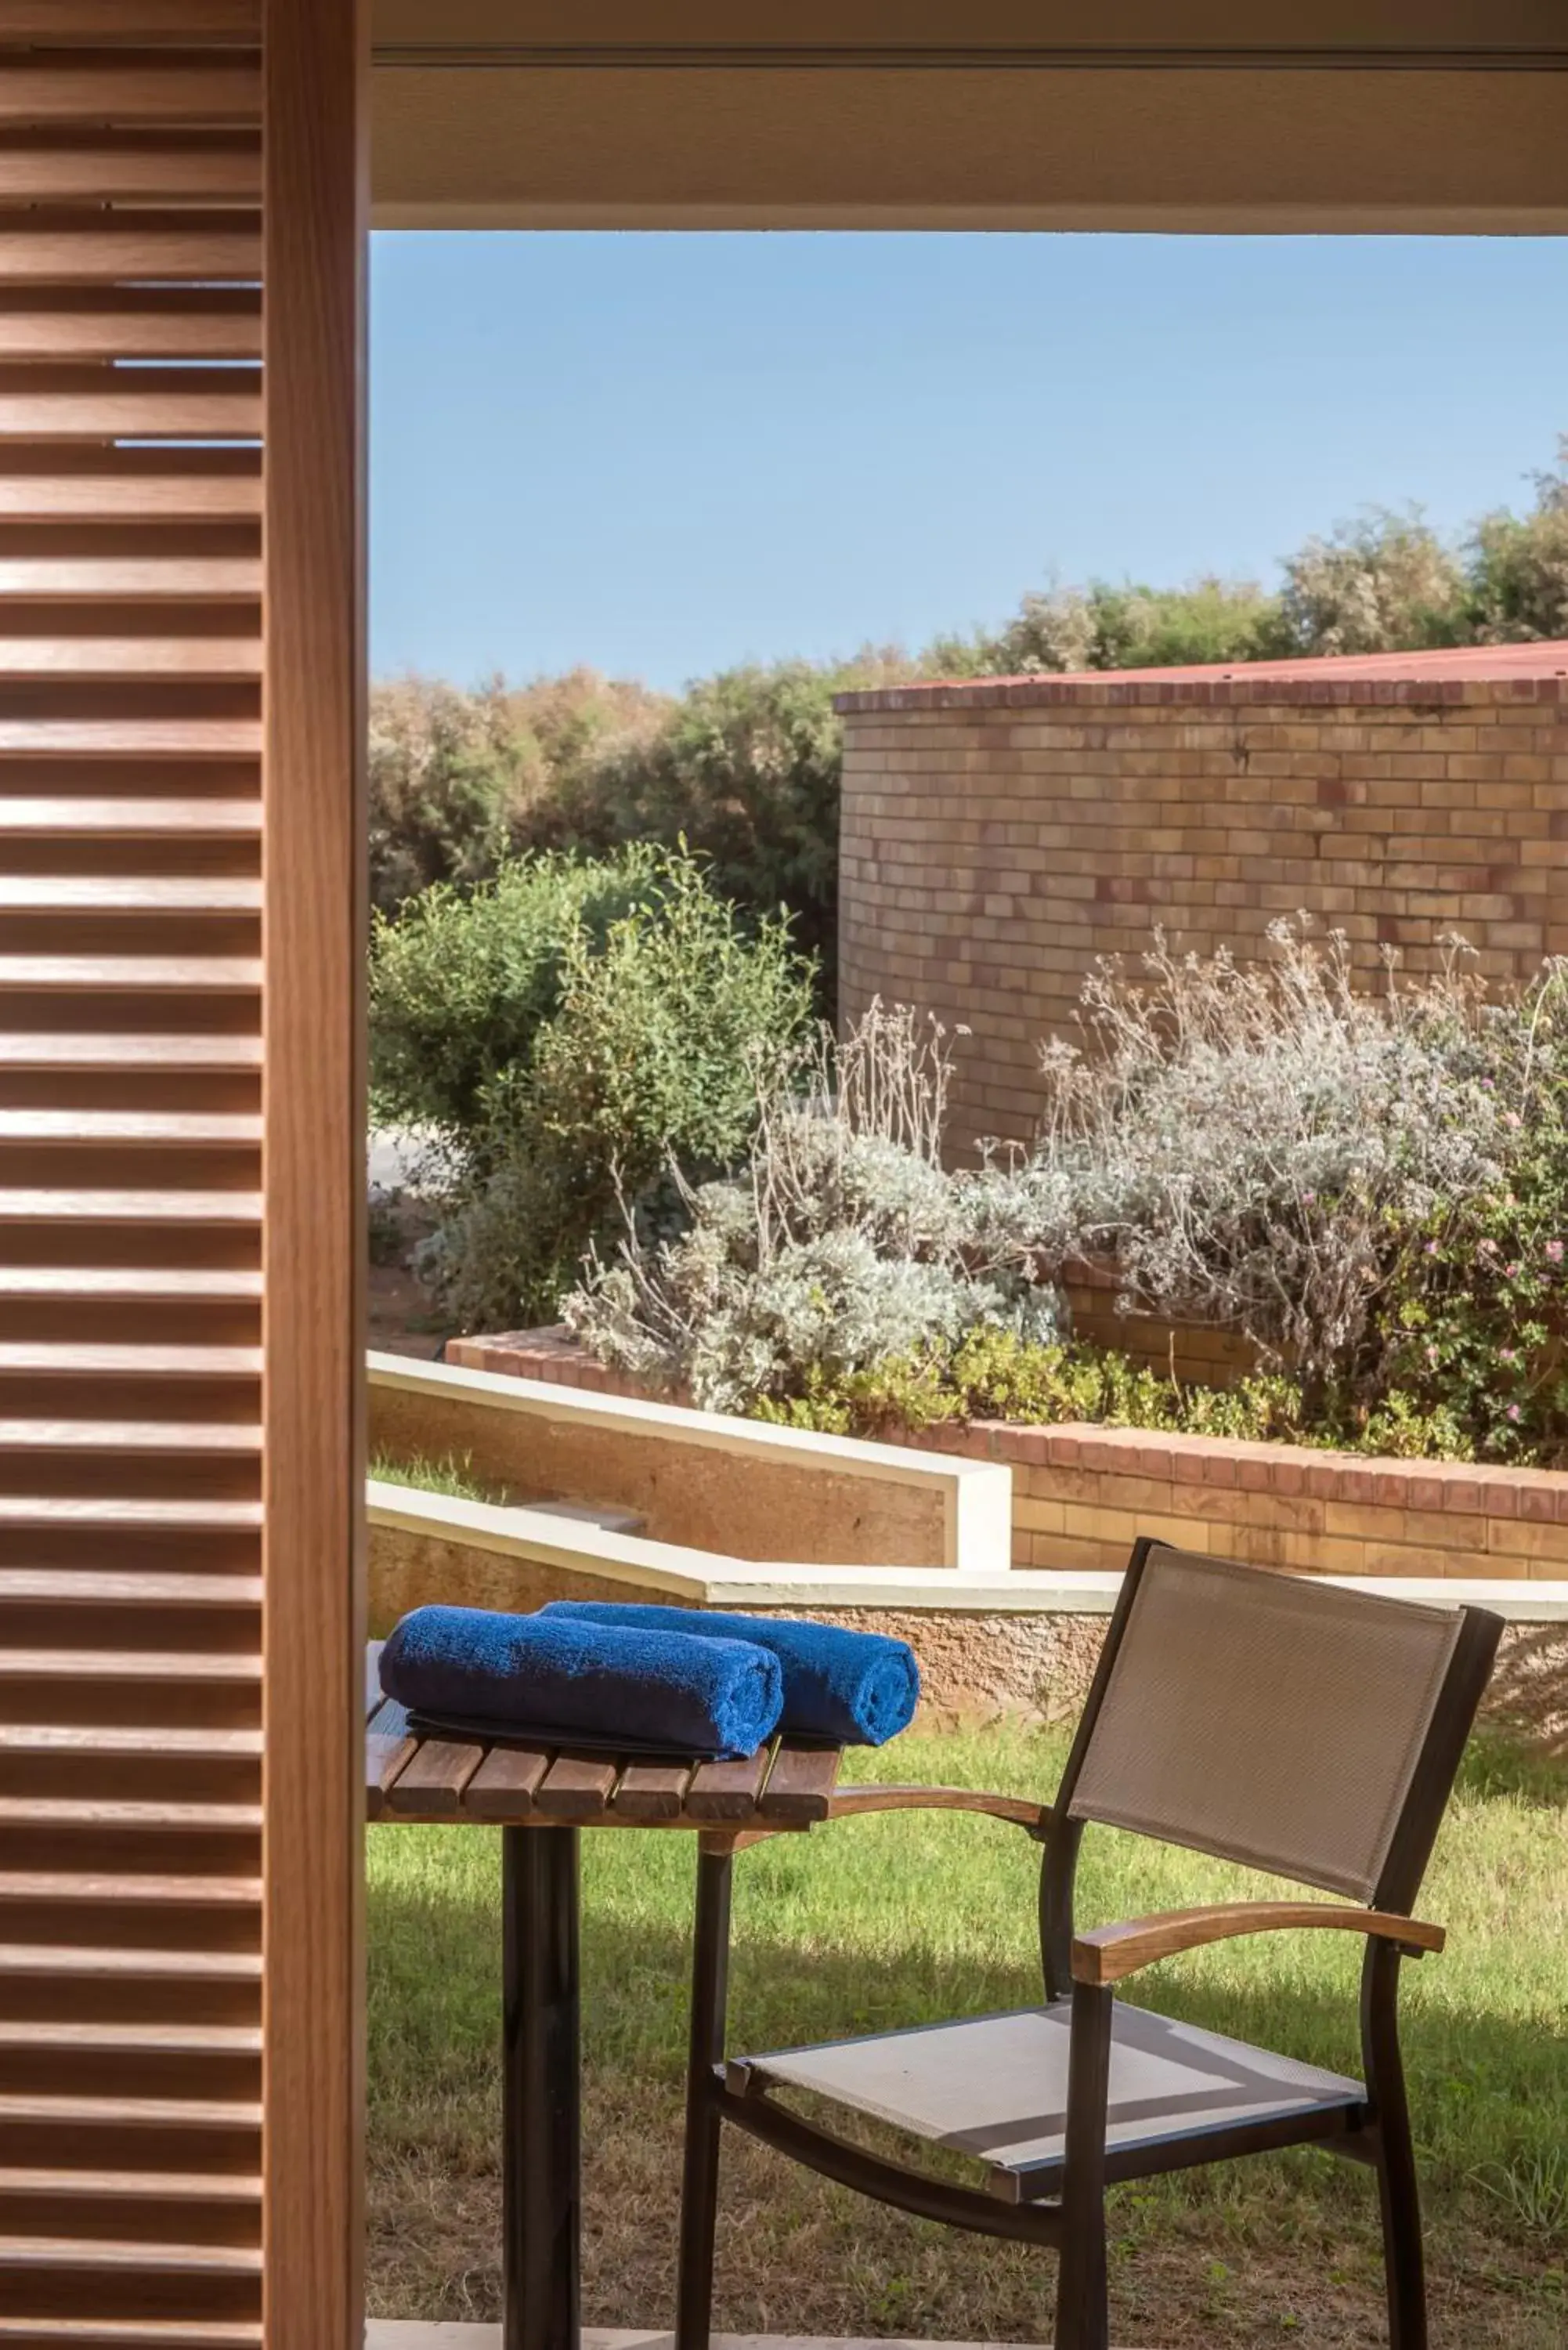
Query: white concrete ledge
(706, 1579)
(1517, 1603)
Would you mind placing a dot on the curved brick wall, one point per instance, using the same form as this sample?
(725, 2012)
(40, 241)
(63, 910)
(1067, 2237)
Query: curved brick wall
(998, 836)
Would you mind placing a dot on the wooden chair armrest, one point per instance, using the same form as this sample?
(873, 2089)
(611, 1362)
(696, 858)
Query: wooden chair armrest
(847, 1801)
(1109, 1952)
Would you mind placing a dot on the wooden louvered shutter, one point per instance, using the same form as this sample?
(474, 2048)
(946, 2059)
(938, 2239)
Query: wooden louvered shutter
(178, 935)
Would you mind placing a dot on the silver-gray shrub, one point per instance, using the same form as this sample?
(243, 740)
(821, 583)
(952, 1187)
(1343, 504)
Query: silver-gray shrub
(1246, 1144)
(845, 1241)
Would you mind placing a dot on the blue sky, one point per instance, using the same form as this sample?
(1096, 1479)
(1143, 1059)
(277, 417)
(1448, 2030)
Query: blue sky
(660, 454)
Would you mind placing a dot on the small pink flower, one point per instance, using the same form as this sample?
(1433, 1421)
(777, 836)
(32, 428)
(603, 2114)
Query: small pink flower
(1432, 1247)
(1514, 1412)
(1432, 1356)
(1506, 1354)
(1554, 1250)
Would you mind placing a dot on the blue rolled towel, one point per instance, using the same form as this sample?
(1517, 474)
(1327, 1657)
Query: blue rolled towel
(652, 1684)
(857, 1689)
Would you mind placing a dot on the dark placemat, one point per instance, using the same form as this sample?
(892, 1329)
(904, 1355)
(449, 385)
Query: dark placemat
(477, 1730)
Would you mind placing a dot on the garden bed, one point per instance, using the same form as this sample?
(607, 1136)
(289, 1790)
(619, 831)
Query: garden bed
(1082, 1494)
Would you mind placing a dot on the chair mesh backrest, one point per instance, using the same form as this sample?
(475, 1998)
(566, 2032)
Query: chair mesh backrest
(1265, 1718)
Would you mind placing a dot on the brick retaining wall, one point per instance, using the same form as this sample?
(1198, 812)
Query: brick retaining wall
(1082, 1494)
(998, 836)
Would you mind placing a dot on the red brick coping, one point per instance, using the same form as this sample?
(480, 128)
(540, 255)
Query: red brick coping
(1481, 673)
(1082, 1494)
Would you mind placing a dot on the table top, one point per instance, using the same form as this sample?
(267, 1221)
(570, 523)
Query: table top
(787, 1784)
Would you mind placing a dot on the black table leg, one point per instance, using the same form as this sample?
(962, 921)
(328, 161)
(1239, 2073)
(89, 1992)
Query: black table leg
(541, 2110)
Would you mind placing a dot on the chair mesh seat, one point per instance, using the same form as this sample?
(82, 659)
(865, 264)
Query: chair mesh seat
(995, 2087)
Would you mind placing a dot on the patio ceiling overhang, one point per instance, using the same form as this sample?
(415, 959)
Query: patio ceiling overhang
(1342, 116)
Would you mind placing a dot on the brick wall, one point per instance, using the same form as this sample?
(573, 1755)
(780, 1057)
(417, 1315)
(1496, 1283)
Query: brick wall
(998, 837)
(1082, 1495)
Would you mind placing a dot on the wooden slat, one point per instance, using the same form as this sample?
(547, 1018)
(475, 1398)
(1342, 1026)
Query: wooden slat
(727, 1790)
(153, 579)
(131, 2334)
(234, 1437)
(124, 1127)
(196, 893)
(83, 2255)
(107, 86)
(199, 23)
(193, 658)
(62, 1205)
(114, 167)
(130, 738)
(154, 2114)
(117, 1738)
(652, 1791)
(166, 1514)
(801, 1783)
(66, 1888)
(127, 1664)
(65, 1812)
(161, 1284)
(183, 404)
(133, 819)
(82, 1587)
(576, 1787)
(130, 2185)
(133, 974)
(505, 1784)
(62, 247)
(388, 1744)
(101, 486)
(431, 1782)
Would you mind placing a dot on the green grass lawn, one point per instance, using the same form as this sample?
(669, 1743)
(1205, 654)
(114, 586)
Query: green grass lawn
(908, 1918)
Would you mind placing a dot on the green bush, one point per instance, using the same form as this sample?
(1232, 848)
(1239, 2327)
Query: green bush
(461, 780)
(998, 1374)
(565, 1036)
(462, 983)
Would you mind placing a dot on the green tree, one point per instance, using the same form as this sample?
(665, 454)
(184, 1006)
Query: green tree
(1384, 583)
(1518, 566)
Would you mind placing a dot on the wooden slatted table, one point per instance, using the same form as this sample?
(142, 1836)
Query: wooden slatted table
(524, 1790)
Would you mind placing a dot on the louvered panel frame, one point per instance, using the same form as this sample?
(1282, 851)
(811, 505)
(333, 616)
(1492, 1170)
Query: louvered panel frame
(130, 1179)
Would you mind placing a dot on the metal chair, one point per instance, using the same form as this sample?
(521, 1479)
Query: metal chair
(1267, 1719)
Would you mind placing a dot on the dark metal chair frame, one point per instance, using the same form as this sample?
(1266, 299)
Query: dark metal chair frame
(1085, 1968)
